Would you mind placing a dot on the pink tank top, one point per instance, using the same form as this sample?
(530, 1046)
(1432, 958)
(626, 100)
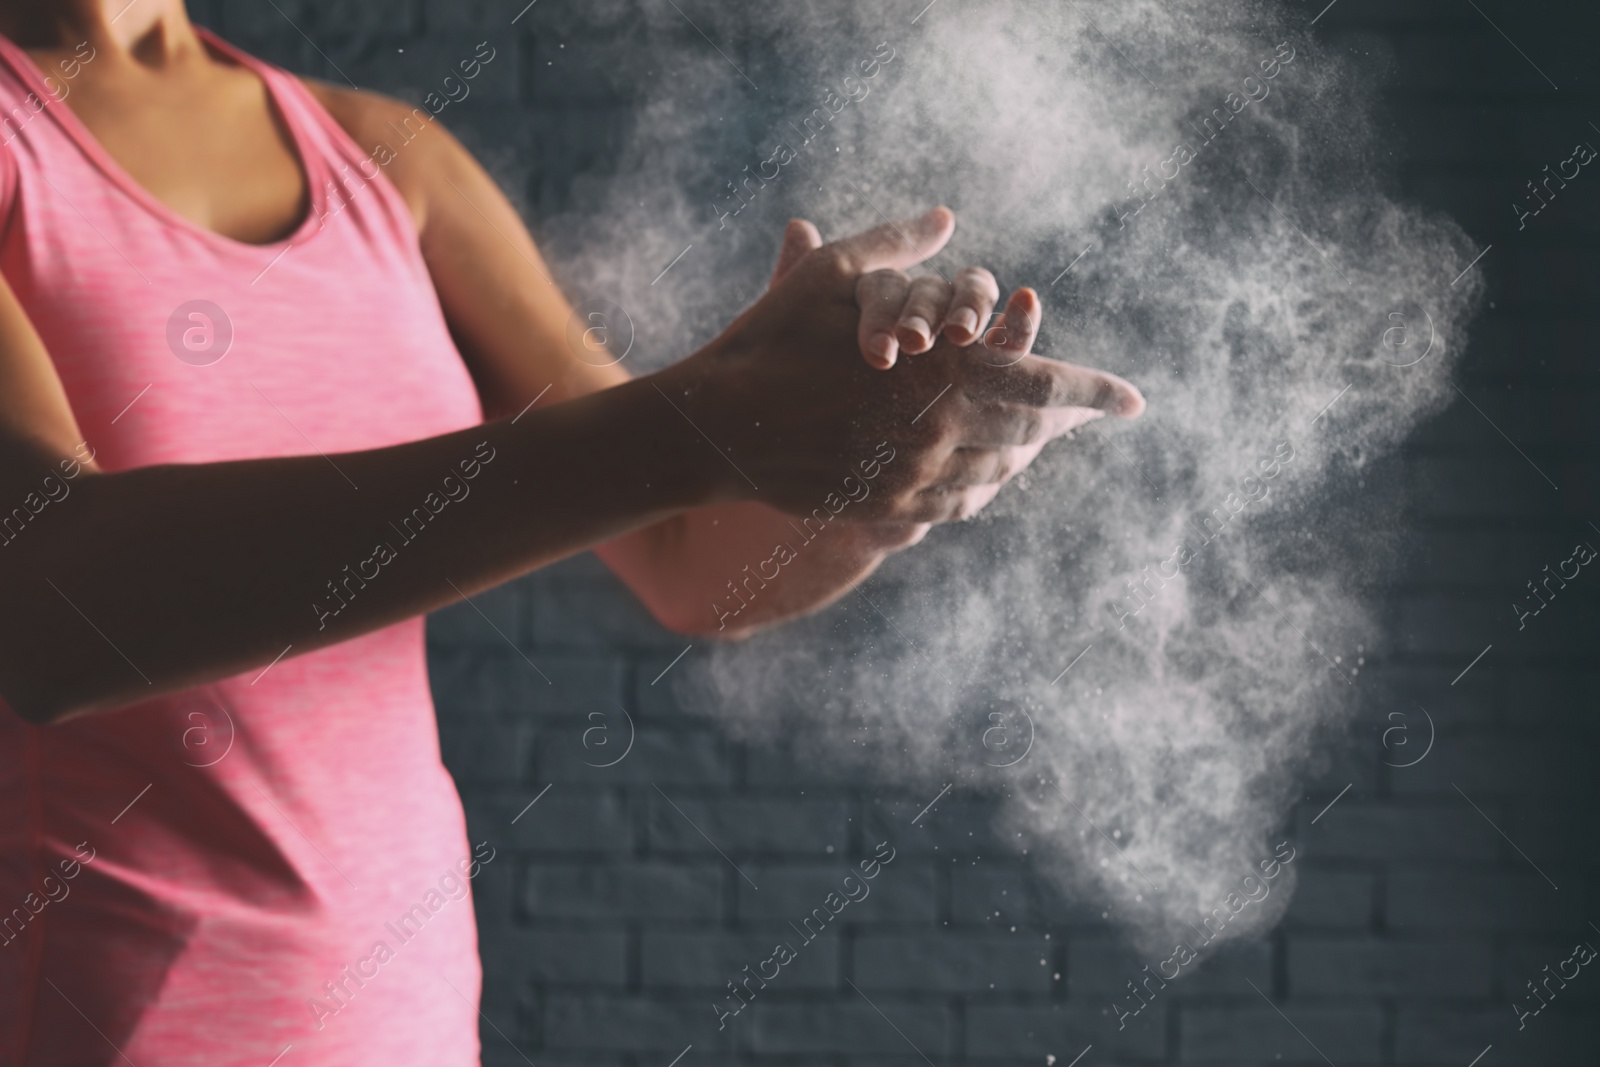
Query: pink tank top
(277, 861)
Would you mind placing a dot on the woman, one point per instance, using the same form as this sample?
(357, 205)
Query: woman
(257, 418)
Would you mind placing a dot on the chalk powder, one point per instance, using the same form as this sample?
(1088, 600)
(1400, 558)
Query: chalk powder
(1244, 284)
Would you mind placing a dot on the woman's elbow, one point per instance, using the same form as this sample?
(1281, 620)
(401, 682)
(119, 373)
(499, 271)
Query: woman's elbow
(33, 705)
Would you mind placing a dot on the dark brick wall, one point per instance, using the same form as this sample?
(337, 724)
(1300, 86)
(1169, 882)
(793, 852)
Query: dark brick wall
(1429, 894)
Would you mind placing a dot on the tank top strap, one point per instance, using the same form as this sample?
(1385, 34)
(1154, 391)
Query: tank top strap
(339, 169)
(25, 93)
(307, 119)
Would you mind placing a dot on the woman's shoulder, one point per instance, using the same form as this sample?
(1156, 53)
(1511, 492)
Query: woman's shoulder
(414, 150)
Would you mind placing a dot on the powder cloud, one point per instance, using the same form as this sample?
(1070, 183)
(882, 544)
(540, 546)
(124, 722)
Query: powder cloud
(1249, 290)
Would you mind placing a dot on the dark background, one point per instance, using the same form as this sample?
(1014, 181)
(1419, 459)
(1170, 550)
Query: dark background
(1429, 895)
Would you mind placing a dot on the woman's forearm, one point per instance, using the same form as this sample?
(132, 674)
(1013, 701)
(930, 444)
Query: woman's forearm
(150, 580)
(727, 570)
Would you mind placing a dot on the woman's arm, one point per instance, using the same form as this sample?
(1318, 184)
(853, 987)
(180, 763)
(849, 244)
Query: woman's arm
(511, 323)
(140, 582)
(131, 584)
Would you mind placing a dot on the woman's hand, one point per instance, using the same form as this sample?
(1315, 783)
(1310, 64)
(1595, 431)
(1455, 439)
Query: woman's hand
(903, 313)
(792, 416)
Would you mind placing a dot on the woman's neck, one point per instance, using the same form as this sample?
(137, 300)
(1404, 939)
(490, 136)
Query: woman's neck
(149, 32)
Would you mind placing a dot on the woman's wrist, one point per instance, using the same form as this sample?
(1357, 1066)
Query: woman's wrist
(688, 413)
(630, 448)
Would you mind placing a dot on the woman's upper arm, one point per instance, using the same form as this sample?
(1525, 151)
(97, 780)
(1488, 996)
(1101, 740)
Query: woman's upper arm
(504, 309)
(37, 427)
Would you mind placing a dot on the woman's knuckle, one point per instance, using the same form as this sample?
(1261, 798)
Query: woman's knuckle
(1030, 425)
(928, 467)
(832, 261)
(978, 276)
(1103, 389)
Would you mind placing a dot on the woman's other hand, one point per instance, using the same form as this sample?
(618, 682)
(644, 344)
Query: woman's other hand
(792, 409)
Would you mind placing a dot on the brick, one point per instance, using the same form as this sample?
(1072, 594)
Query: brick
(1545, 834)
(1430, 16)
(707, 960)
(1525, 960)
(424, 64)
(788, 766)
(1500, 485)
(1455, 624)
(1480, 901)
(467, 14)
(1451, 133)
(594, 613)
(1058, 901)
(955, 962)
(1101, 968)
(1363, 830)
(564, 819)
(954, 826)
(340, 17)
(663, 682)
(1456, 1035)
(1542, 269)
(487, 752)
(903, 892)
(493, 891)
(631, 1024)
(1457, 558)
(853, 1027)
(1543, 414)
(498, 681)
(593, 136)
(563, 958)
(578, 750)
(1482, 764)
(1373, 967)
(1327, 899)
(604, 18)
(747, 824)
(493, 617)
(1557, 705)
(645, 892)
(1256, 1032)
(1549, 346)
(1355, 763)
(1434, 61)
(566, 69)
(1400, 693)
(991, 895)
(253, 23)
(499, 1052)
(1061, 1030)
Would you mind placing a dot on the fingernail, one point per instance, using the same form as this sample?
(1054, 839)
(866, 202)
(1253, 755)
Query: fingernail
(917, 325)
(881, 345)
(965, 320)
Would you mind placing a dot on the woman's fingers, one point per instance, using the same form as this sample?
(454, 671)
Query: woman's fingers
(931, 304)
(976, 293)
(799, 237)
(881, 295)
(925, 306)
(1012, 336)
(969, 467)
(897, 245)
(1046, 383)
(941, 504)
